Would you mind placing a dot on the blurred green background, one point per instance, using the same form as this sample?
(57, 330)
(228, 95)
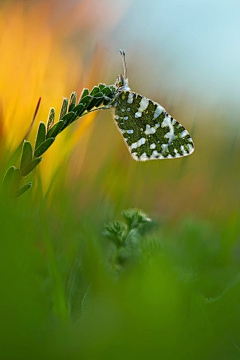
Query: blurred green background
(170, 291)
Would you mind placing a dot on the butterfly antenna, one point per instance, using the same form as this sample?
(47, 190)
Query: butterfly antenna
(122, 53)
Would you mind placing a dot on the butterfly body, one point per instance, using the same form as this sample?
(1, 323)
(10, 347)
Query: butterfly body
(148, 130)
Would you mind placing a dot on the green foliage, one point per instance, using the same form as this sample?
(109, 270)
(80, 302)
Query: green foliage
(11, 182)
(23, 189)
(51, 118)
(26, 155)
(64, 107)
(84, 93)
(55, 130)
(179, 299)
(28, 163)
(135, 224)
(29, 167)
(127, 235)
(72, 101)
(44, 146)
(100, 95)
(41, 134)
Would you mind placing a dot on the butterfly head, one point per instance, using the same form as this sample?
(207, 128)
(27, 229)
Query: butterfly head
(121, 83)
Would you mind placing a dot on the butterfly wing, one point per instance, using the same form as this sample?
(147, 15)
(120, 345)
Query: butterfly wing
(148, 130)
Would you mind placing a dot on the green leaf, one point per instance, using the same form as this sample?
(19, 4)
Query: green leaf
(84, 93)
(101, 86)
(109, 93)
(26, 154)
(41, 135)
(63, 108)
(85, 101)
(72, 101)
(135, 218)
(23, 189)
(90, 100)
(8, 177)
(94, 91)
(96, 99)
(11, 181)
(116, 232)
(79, 110)
(43, 147)
(30, 166)
(69, 117)
(55, 130)
(50, 120)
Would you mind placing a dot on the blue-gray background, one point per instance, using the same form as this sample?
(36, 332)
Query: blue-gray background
(190, 46)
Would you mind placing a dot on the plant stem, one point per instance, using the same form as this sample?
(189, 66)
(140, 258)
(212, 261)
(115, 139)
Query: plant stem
(114, 258)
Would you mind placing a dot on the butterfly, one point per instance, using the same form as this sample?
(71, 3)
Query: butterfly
(147, 129)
